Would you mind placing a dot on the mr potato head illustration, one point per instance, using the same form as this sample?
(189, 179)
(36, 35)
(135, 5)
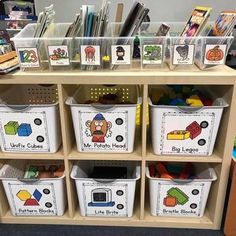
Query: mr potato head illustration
(99, 128)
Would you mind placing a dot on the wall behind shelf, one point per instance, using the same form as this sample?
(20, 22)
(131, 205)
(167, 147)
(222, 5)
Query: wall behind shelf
(161, 10)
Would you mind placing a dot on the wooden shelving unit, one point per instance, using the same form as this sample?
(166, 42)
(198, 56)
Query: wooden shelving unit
(222, 79)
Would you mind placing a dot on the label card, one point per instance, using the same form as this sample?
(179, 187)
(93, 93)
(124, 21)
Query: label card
(215, 54)
(90, 55)
(183, 54)
(152, 54)
(28, 57)
(120, 54)
(58, 55)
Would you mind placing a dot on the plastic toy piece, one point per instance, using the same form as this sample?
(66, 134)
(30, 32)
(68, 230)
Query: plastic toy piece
(174, 168)
(32, 172)
(178, 135)
(24, 130)
(195, 129)
(11, 128)
(181, 197)
(152, 170)
(187, 171)
(170, 201)
(162, 171)
(194, 101)
(177, 102)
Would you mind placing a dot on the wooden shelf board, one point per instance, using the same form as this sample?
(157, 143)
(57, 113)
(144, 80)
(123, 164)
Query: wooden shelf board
(134, 156)
(33, 156)
(214, 158)
(161, 76)
(134, 221)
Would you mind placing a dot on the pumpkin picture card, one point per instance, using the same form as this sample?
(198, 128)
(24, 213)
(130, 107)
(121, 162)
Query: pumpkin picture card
(224, 24)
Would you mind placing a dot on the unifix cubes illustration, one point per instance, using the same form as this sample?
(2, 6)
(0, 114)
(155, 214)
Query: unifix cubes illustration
(178, 135)
(195, 129)
(24, 130)
(11, 128)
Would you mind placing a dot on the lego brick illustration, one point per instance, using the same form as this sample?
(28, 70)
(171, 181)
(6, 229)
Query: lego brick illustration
(178, 135)
(11, 128)
(195, 129)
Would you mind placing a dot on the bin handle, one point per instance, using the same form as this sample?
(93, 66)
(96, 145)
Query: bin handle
(189, 109)
(18, 107)
(182, 181)
(105, 180)
(28, 181)
(102, 107)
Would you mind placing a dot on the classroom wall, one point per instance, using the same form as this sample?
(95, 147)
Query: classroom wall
(160, 10)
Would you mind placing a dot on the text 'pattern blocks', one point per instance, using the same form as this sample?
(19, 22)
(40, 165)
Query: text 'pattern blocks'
(11, 128)
(195, 129)
(24, 130)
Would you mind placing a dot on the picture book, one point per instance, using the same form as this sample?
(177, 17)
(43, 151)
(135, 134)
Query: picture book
(224, 24)
(196, 22)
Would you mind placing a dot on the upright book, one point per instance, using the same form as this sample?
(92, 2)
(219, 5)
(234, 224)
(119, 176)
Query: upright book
(196, 21)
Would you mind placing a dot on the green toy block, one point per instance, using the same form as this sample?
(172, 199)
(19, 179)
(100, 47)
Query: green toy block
(181, 197)
(11, 128)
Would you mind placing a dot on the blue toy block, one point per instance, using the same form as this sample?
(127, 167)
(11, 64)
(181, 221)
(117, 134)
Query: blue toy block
(24, 130)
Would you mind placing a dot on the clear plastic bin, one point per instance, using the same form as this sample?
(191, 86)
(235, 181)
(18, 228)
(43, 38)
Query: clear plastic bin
(181, 198)
(105, 197)
(32, 197)
(103, 127)
(29, 119)
(184, 52)
(56, 52)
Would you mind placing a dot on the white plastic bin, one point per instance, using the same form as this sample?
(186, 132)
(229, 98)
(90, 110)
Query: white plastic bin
(118, 121)
(29, 119)
(32, 197)
(105, 197)
(190, 195)
(18, 6)
(201, 122)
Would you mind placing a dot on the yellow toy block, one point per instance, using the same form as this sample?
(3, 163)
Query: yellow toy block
(178, 135)
(194, 101)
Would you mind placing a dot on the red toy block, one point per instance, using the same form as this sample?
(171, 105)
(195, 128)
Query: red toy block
(195, 129)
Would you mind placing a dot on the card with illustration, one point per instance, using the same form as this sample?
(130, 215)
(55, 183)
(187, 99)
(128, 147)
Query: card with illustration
(28, 57)
(120, 54)
(183, 54)
(90, 55)
(107, 131)
(179, 200)
(58, 55)
(152, 54)
(215, 54)
(190, 134)
(24, 132)
(33, 199)
(107, 200)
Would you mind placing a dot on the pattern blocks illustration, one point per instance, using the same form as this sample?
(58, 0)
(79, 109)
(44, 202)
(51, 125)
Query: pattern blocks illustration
(195, 129)
(24, 130)
(11, 127)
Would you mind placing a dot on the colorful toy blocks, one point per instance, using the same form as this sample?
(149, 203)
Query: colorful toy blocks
(194, 101)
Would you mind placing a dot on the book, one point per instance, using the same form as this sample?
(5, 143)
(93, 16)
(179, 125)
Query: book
(196, 21)
(224, 24)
